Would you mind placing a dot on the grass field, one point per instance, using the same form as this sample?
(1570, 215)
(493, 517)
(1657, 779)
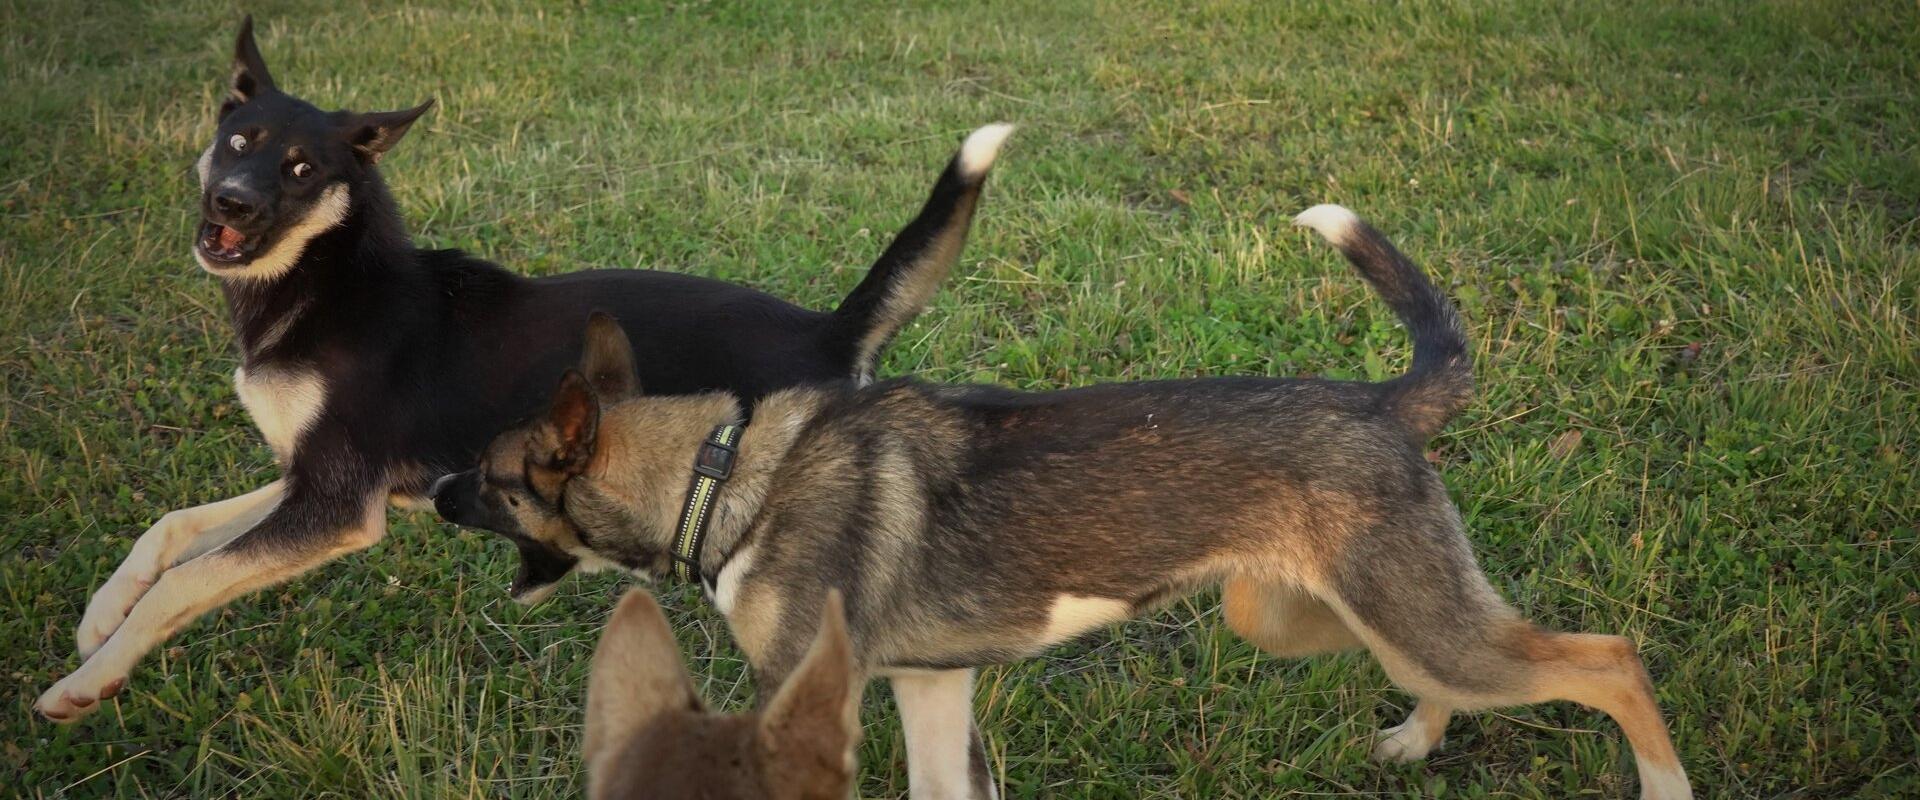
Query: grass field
(1685, 241)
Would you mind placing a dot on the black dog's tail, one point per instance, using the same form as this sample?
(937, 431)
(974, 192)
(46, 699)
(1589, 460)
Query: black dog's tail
(1441, 381)
(899, 285)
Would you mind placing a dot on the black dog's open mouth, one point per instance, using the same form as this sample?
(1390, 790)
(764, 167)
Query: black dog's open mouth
(223, 245)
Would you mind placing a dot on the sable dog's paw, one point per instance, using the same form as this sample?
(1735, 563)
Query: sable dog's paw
(76, 696)
(108, 608)
(1413, 739)
(1403, 743)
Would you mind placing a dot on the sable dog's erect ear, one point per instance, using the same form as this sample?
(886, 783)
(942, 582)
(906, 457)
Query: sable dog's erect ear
(607, 358)
(374, 133)
(575, 417)
(636, 675)
(813, 723)
(250, 77)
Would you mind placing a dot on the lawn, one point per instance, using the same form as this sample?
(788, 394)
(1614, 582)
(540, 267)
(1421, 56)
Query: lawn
(1685, 238)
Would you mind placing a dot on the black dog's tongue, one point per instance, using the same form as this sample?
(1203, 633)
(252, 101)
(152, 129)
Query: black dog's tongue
(228, 238)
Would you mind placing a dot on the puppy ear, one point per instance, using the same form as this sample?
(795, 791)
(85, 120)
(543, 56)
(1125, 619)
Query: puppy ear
(575, 417)
(374, 133)
(813, 723)
(607, 358)
(250, 76)
(636, 675)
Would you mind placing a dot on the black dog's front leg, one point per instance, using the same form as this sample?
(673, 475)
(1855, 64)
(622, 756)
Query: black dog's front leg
(321, 517)
(179, 536)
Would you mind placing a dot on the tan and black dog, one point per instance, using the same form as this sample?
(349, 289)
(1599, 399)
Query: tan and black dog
(971, 525)
(372, 366)
(649, 735)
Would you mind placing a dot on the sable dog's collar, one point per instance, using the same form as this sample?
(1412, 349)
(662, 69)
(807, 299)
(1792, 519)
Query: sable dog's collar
(712, 465)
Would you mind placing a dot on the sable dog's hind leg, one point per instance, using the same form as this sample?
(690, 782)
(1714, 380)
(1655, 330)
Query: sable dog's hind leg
(1287, 622)
(308, 528)
(178, 536)
(1422, 606)
(1282, 619)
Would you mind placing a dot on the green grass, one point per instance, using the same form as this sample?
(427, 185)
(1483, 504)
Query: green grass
(1684, 239)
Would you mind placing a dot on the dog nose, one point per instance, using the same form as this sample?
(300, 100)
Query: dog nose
(445, 498)
(235, 204)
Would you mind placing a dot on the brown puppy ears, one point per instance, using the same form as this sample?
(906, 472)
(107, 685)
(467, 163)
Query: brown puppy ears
(250, 77)
(575, 420)
(607, 358)
(810, 728)
(636, 675)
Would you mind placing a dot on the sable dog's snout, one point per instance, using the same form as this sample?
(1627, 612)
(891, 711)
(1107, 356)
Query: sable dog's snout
(452, 497)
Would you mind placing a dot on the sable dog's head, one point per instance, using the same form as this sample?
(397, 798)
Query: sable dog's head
(279, 171)
(574, 486)
(649, 735)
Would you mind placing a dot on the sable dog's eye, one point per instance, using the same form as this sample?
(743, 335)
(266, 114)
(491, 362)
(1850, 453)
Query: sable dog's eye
(302, 169)
(513, 501)
(238, 143)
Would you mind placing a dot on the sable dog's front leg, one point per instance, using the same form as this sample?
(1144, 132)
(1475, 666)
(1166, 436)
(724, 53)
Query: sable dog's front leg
(178, 536)
(302, 532)
(945, 759)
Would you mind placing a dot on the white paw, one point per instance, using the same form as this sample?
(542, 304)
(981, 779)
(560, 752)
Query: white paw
(1664, 783)
(108, 608)
(1404, 743)
(76, 696)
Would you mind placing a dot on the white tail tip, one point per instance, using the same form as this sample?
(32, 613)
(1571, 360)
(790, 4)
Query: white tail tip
(1333, 222)
(981, 147)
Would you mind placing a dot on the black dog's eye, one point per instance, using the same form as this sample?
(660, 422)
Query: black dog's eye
(238, 143)
(302, 169)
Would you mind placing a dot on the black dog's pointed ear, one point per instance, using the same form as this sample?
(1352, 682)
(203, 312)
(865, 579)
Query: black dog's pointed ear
(374, 133)
(607, 358)
(250, 77)
(575, 417)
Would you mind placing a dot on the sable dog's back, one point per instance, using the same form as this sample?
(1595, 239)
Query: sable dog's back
(1049, 489)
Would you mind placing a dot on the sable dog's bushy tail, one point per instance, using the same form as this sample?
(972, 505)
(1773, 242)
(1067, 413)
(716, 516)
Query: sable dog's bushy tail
(905, 277)
(1440, 383)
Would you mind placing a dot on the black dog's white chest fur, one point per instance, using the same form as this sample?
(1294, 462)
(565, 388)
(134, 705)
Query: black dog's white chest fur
(283, 403)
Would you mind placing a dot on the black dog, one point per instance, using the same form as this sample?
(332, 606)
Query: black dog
(372, 367)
